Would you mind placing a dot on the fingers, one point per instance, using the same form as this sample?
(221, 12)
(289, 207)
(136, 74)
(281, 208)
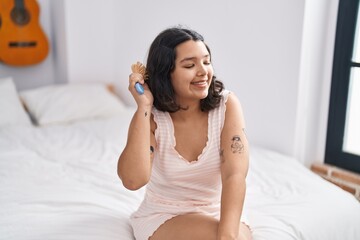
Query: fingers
(133, 79)
(144, 96)
(136, 77)
(134, 88)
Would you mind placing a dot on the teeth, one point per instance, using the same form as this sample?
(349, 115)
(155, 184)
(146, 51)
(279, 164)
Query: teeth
(199, 83)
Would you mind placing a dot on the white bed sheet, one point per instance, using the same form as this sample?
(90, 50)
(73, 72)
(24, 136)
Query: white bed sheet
(287, 201)
(60, 182)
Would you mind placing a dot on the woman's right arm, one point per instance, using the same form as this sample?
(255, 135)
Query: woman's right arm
(135, 162)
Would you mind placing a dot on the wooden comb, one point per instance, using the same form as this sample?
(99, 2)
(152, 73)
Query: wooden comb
(138, 67)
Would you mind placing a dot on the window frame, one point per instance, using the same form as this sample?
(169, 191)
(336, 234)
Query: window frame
(342, 65)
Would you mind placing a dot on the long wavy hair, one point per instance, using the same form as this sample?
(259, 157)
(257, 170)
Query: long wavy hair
(161, 63)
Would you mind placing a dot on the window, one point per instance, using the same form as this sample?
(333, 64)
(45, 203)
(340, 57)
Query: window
(343, 132)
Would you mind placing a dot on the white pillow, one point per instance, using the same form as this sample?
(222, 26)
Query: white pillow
(12, 112)
(66, 103)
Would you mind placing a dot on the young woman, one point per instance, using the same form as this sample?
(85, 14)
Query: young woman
(186, 142)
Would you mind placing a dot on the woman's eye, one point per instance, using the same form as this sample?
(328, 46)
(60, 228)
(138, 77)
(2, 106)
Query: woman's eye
(189, 66)
(207, 63)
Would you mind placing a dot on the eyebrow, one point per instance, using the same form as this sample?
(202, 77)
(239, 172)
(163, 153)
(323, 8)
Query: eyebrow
(192, 58)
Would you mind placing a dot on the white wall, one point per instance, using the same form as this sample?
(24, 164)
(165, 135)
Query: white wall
(318, 41)
(270, 53)
(90, 36)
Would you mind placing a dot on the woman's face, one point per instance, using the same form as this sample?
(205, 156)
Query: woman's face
(193, 72)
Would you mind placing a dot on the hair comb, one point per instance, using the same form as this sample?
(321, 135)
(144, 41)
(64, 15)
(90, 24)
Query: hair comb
(138, 67)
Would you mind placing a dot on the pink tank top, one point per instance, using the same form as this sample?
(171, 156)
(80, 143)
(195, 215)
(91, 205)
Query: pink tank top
(174, 180)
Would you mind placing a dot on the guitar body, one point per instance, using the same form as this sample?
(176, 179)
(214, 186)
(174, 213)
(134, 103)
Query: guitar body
(22, 41)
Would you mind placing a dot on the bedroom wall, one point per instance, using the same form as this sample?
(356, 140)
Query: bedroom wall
(90, 28)
(261, 50)
(318, 41)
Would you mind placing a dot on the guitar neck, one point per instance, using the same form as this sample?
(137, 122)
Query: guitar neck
(19, 4)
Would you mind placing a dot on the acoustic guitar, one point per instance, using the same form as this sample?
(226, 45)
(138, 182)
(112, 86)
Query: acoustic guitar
(22, 40)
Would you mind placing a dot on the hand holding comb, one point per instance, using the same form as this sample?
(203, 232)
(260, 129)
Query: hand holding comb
(138, 67)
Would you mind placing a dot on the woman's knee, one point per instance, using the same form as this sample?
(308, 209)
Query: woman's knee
(244, 232)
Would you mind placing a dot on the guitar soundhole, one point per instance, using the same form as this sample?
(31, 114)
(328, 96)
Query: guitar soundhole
(22, 44)
(20, 16)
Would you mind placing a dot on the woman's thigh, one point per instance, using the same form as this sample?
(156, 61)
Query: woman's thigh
(187, 227)
(194, 227)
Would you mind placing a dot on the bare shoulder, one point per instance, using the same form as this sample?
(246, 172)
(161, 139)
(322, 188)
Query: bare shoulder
(233, 108)
(232, 100)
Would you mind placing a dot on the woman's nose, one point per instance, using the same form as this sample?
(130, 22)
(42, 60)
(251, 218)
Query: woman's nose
(202, 70)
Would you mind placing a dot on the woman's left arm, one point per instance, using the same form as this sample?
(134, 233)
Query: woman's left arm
(234, 167)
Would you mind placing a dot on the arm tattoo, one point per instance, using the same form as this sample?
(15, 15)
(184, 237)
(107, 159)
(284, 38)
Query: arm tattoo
(145, 113)
(237, 146)
(151, 149)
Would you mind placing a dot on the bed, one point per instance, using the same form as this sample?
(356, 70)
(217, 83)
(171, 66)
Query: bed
(58, 175)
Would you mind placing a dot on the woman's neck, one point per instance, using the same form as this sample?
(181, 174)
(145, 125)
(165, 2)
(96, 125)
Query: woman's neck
(191, 112)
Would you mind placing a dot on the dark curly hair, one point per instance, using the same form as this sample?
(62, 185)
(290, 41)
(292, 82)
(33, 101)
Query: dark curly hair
(160, 64)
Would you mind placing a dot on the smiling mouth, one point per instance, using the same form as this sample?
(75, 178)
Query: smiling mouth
(199, 83)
